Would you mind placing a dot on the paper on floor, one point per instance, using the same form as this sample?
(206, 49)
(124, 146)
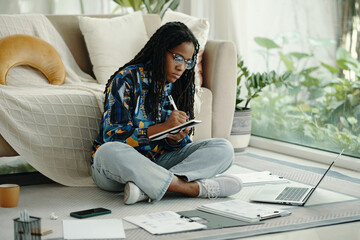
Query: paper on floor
(93, 229)
(164, 222)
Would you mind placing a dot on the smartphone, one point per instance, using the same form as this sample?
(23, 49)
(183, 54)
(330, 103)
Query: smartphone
(90, 213)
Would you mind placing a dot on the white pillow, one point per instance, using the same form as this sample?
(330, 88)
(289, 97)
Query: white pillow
(112, 42)
(199, 27)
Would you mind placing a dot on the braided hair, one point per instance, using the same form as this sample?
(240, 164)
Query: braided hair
(165, 38)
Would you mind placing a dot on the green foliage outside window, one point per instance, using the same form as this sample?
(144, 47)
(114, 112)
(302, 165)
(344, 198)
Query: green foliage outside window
(321, 109)
(149, 6)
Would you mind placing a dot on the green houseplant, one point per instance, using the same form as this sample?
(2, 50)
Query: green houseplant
(150, 6)
(254, 83)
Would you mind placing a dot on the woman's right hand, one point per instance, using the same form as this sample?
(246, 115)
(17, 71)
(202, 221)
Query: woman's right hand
(176, 118)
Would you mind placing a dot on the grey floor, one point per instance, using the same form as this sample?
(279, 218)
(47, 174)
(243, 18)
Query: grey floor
(43, 200)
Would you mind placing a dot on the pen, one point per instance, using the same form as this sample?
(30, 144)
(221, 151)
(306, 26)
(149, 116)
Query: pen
(273, 215)
(172, 102)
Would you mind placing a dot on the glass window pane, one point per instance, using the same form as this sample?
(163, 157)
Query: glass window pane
(319, 104)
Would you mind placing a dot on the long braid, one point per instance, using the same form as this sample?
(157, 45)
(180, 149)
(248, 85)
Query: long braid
(166, 37)
(184, 93)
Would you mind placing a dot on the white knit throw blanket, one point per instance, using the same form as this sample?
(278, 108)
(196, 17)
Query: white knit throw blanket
(52, 127)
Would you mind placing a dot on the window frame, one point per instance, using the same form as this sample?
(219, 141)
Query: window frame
(302, 152)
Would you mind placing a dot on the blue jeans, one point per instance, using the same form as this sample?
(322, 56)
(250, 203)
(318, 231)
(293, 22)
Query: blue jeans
(116, 163)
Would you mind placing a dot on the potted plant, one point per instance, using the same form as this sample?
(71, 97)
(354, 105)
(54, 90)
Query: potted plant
(150, 6)
(254, 83)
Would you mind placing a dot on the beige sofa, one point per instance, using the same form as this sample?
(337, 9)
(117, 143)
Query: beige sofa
(219, 76)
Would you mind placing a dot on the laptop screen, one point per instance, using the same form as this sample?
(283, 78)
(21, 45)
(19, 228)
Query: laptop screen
(327, 170)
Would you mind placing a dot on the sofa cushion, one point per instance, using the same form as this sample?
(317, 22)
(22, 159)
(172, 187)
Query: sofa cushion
(112, 42)
(199, 27)
(203, 130)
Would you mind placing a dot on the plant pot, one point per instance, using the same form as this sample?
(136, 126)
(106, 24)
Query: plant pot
(241, 130)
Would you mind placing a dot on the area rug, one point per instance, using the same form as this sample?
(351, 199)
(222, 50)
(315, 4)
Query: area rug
(337, 201)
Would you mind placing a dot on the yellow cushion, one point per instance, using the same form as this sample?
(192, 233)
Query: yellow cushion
(23, 49)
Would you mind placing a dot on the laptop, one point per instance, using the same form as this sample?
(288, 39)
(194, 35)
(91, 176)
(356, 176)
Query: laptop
(292, 195)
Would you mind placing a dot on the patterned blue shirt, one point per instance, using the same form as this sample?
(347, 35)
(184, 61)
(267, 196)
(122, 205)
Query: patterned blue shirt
(125, 118)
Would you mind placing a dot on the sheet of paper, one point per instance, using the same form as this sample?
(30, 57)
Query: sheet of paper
(164, 222)
(93, 229)
(257, 178)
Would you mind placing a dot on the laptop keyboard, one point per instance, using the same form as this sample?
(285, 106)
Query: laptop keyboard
(292, 194)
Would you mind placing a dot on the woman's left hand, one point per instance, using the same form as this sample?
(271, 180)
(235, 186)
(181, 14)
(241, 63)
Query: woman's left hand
(178, 137)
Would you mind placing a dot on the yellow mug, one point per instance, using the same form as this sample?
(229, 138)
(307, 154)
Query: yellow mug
(9, 195)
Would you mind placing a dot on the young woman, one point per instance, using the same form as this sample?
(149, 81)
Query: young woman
(137, 106)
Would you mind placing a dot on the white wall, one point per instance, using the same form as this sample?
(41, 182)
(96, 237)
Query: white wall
(243, 20)
(9, 7)
(56, 6)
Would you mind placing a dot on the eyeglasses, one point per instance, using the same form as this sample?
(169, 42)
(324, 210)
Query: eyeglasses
(179, 60)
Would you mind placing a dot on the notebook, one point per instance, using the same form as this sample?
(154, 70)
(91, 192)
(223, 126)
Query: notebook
(292, 195)
(259, 178)
(244, 211)
(174, 130)
(213, 221)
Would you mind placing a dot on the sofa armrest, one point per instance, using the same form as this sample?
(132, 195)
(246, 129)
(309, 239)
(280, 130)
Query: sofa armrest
(219, 75)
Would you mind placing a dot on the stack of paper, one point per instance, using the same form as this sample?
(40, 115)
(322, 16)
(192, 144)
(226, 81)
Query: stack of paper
(257, 178)
(164, 222)
(242, 210)
(93, 229)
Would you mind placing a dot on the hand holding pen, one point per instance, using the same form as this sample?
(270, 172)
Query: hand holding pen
(177, 117)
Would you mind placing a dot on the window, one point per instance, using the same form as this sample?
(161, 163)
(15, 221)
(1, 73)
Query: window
(318, 42)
